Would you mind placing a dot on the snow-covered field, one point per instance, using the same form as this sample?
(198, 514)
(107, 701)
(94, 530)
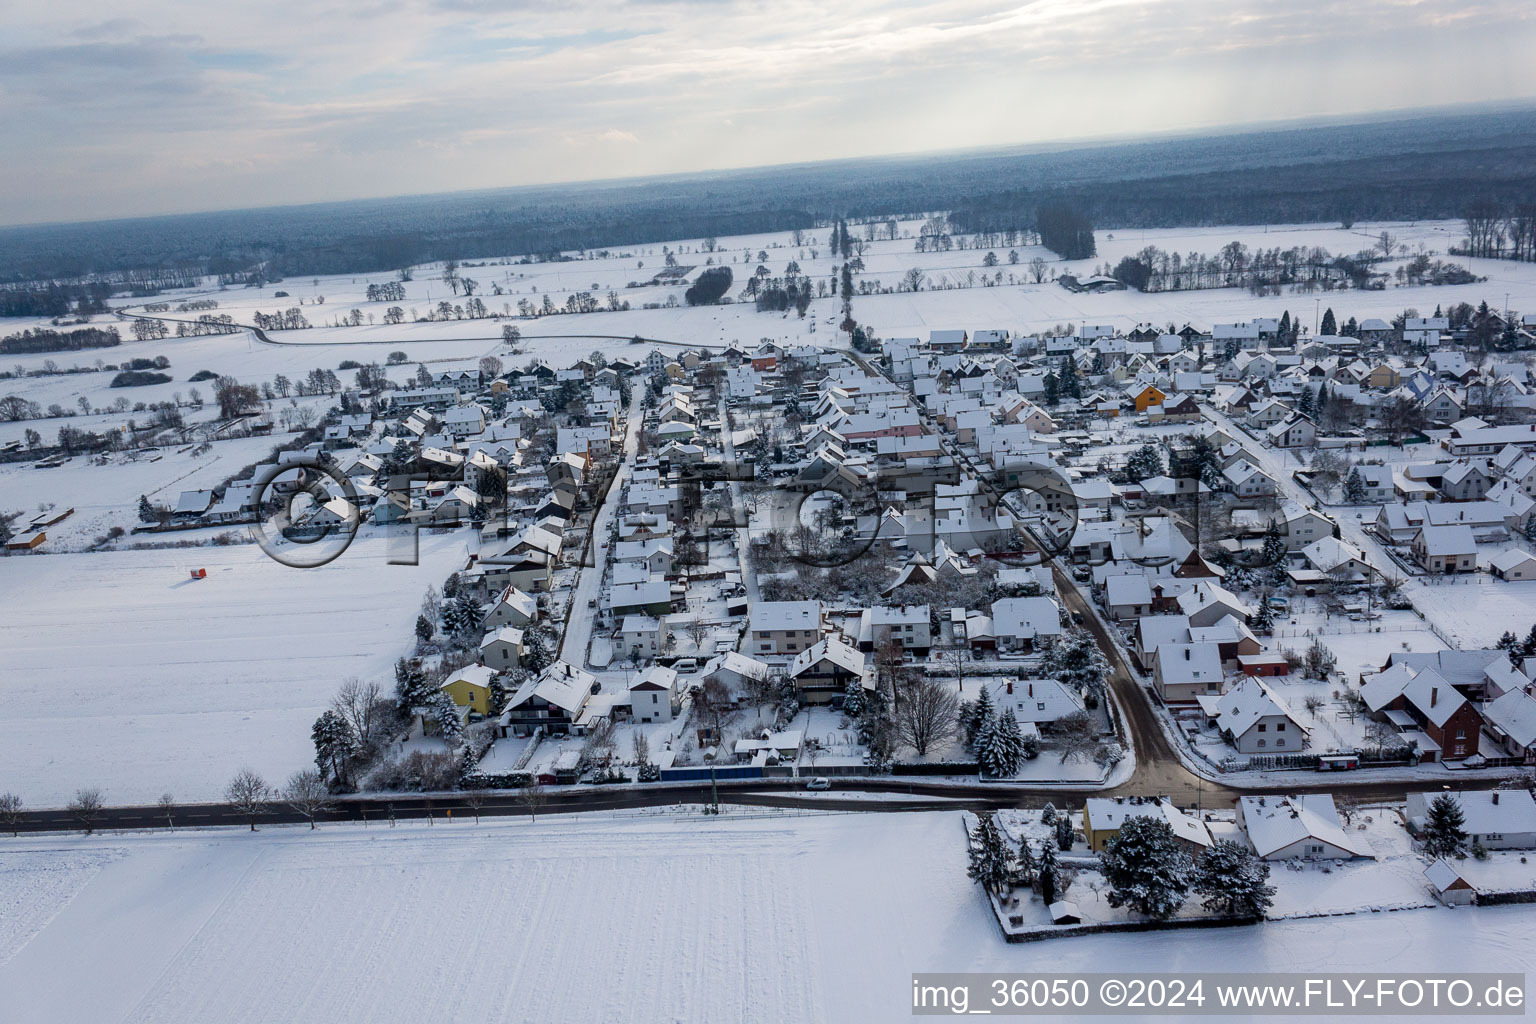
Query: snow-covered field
(104, 496)
(602, 918)
(121, 672)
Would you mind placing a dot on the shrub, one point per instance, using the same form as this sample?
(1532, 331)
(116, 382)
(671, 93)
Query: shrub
(139, 378)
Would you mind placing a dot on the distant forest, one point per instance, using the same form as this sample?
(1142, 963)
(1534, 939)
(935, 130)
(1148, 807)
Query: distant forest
(1422, 167)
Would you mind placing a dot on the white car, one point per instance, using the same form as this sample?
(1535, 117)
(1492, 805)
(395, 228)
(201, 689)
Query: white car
(819, 783)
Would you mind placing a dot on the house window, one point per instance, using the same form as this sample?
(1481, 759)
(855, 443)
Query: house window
(1263, 727)
(1279, 727)
(1039, 705)
(1279, 743)
(1263, 743)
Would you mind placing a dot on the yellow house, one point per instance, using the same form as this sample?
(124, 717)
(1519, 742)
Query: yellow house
(470, 687)
(1103, 816)
(1149, 396)
(1383, 376)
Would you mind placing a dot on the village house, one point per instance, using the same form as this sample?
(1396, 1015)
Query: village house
(785, 627)
(821, 674)
(502, 648)
(551, 700)
(1303, 827)
(1255, 720)
(642, 637)
(1494, 819)
(1445, 549)
(908, 625)
(470, 688)
(1181, 672)
(1103, 817)
(654, 696)
(1435, 715)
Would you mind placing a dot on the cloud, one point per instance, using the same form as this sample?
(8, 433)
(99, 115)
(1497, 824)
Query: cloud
(292, 102)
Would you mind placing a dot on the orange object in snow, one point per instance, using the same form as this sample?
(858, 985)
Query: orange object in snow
(199, 574)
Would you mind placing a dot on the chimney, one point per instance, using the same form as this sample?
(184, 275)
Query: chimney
(1010, 686)
(1186, 654)
(1434, 695)
(1495, 797)
(1031, 688)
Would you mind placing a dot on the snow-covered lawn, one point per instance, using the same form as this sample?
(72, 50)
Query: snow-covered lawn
(818, 918)
(1475, 611)
(121, 672)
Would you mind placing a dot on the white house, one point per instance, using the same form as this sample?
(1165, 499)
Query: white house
(1513, 564)
(784, 627)
(502, 648)
(1496, 819)
(1256, 721)
(909, 625)
(654, 697)
(642, 636)
(1035, 701)
(1303, 827)
(1021, 622)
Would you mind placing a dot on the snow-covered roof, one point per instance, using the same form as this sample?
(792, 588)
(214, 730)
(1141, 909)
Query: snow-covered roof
(1485, 811)
(1241, 707)
(1189, 663)
(776, 615)
(1276, 822)
(506, 634)
(1026, 617)
(561, 684)
(1514, 714)
(1442, 876)
(1035, 700)
(1109, 813)
(834, 649)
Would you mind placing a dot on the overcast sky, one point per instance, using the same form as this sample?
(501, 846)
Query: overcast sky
(175, 105)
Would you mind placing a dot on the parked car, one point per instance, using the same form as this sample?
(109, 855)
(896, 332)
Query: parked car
(819, 783)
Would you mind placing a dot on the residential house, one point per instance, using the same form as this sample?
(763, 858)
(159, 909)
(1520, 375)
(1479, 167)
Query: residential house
(1256, 721)
(654, 696)
(502, 648)
(1495, 819)
(1183, 671)
(785, 627)
(642, 637)
(822, 673)
(551, 700)
(1303, 827)
(1445, 549)
(1103, 817)
(1037, 702)
(1019, 623)
(470, 688)
(908, 625)
(1440, 720)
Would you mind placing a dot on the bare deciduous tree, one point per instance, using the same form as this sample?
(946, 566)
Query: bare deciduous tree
(363, 707)
(167, 805)
(306, 793)
(926, 713)
(1076, 736)
(10, 812)
(86, 807)
(532, 797)
(642, 747)
(248, 794)
(474, 799)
